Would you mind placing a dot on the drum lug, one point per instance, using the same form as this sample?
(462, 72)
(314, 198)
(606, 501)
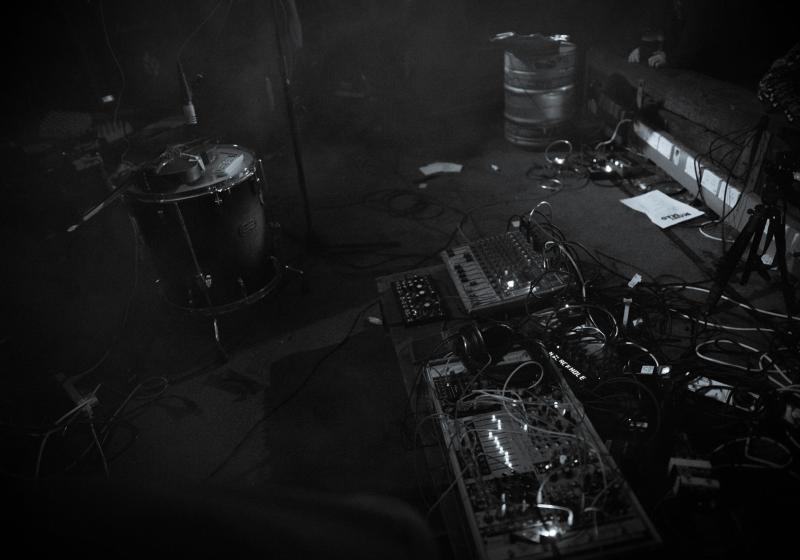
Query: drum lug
(208, 280)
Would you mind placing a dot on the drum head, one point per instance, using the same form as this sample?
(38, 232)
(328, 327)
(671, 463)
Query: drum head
(182, 174)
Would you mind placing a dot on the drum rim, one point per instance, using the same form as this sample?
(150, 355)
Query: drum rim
(240, 303)
(200, 191)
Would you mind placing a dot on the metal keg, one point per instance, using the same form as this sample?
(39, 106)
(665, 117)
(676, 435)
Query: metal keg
(539, 84)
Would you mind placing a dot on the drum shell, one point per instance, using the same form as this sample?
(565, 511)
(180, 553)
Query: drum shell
(225, 234)
(540, 94)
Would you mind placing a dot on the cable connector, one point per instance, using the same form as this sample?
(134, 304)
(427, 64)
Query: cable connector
(724, 393)
(691, 475)
(88, 403)
(651, 370)
(626, 312)
(82, 403)
(791, 415)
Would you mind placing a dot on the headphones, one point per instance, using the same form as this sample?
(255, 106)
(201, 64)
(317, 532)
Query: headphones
(479, 344)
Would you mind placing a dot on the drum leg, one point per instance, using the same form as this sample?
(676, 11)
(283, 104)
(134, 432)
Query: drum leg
(301, 274)
(202, 281)
(218, 340)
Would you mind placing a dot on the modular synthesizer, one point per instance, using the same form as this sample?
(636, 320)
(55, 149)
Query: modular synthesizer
(534, 479)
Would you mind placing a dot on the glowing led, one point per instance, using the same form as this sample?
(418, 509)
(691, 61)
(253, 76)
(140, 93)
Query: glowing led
(510, 284)
(494, 418)
(551, 532)
(499, 424)
(491, 435)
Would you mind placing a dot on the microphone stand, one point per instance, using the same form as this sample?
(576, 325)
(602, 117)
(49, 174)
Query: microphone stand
(298, 156)
(312, 240)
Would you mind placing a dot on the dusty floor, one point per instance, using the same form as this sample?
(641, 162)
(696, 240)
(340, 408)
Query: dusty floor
(290, 406)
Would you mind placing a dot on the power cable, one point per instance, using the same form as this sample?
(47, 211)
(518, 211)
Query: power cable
(288, 398)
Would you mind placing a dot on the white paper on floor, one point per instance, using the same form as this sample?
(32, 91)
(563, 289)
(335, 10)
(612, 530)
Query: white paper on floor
(662, 210)
(441, 167)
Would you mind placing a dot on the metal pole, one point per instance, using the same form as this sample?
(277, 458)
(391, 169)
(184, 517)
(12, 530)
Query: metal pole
(298, 157)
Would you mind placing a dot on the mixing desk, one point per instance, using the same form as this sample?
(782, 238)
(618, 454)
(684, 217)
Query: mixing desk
(501, 272)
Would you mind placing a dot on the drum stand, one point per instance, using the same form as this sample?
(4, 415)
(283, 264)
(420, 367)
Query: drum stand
(280, 269)
(221, 347)
(203, 281)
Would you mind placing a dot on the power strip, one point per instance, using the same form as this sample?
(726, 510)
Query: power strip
(691, 475)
